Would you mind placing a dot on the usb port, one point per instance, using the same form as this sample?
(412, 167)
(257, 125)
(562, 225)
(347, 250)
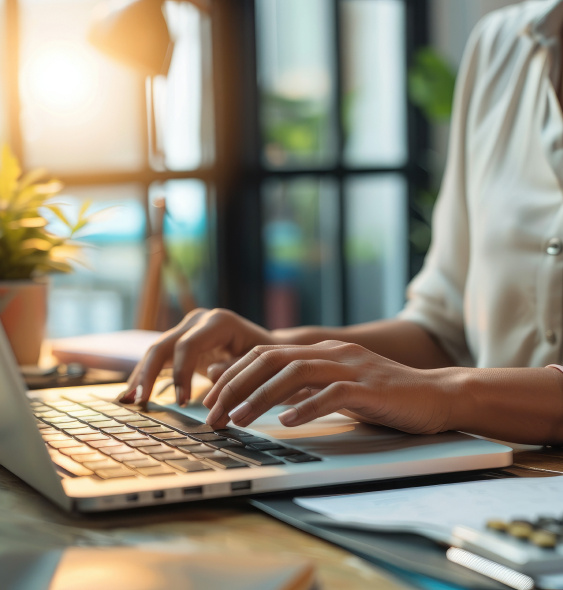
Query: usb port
(197, 491)
(240, 485)
(132, 497)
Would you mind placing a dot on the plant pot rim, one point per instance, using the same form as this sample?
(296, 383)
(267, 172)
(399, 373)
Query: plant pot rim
(20, 282)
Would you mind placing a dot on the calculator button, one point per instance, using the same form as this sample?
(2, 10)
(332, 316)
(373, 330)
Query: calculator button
(544, 539)
(497, 525)
(520, 529)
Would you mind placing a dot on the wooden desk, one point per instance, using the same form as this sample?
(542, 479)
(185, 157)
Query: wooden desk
(28, 522)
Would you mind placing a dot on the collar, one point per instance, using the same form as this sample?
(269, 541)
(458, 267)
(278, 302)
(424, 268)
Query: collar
(545, 25)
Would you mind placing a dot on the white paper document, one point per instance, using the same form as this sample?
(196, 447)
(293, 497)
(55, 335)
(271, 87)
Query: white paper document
(434, 511)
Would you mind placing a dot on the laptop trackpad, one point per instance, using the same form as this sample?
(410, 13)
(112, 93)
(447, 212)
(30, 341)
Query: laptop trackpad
(331, 435)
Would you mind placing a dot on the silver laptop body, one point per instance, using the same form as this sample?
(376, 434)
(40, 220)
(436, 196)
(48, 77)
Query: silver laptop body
(328, 451)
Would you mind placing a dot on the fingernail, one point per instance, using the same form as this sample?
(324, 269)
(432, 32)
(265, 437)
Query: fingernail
(126, 397)
(240, 412)
(212, 372)
(216, 412)
(138, 394)
(288, 417)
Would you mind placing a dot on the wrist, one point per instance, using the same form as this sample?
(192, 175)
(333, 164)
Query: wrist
(454, 387)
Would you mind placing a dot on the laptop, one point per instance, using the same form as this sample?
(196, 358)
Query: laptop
(86, 453)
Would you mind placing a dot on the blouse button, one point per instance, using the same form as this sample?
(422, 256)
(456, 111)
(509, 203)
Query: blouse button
(550, 336)
(554, 247)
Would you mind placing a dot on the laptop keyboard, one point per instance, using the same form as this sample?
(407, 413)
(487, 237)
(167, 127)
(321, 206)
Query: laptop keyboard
(103, 439)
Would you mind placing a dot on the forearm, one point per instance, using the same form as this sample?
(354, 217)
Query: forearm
(516, 405)
(402, 341)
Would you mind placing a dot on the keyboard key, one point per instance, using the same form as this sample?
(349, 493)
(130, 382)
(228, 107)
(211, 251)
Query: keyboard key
(199, 449)
(131, 418)
(184, 442)
(154, 429)
(251, 456)
(63, 420)
(115, 450)
(267, 446)
(50, 430)
(114, 473)
(227, 442)
(61, 444)
(82, 413)
(142, 442)
(52, 437)
(301, 458)
(102, 444)
(77, 431)
(283, 452)
(105, 463)
(146, 462)
(42, 425)
(169, 436)
(223, 461)
(155, 448)
(94, 436)
(69, 465)
(118, 430)
(106, 424)
(207, 437)
(84, 457)
(142, 423)
(170, 454)
(187, 466)
(130, 456)
(129, 435)
(158, 470)
(76, 450)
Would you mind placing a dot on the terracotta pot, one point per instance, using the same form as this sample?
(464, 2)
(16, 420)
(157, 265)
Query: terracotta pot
(23, 313)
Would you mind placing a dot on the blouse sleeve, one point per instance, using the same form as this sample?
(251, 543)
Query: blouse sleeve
(435, 297)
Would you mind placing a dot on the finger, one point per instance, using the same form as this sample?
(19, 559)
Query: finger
(207, 335)
(291, 379)
(269, 360)
(215, 370)
(301, 395)
(331, 399)
(147, 370)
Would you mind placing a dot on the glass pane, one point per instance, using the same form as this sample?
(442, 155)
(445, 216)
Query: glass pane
(189, 270)
(102, 296)
(300, 253)
(81, 111)
(376, 246)
(183, 101)
(374, 77)
(295, 57)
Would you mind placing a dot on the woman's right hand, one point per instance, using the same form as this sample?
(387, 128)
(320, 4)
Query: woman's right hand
(206, 341)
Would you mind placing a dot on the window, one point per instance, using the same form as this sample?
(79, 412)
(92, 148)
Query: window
(280, 138)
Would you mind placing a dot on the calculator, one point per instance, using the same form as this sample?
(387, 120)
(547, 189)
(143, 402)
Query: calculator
(522, 554)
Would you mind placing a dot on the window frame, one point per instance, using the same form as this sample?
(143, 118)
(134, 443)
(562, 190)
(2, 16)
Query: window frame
(235, 178)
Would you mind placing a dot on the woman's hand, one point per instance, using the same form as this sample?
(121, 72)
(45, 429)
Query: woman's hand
(206, 341)
(328, 377)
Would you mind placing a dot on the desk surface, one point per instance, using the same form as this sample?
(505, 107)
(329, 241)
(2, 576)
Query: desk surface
(30, 522)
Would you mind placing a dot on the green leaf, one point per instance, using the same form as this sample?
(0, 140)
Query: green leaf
(9, 173)
(58, 212)
(431, 82)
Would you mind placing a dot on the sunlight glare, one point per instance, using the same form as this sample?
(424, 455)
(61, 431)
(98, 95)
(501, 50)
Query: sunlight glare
(60, 78)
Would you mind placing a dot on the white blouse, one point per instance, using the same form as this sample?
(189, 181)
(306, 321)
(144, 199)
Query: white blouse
(491, 288)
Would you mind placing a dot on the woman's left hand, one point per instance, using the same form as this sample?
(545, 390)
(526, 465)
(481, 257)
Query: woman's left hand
(329, 377)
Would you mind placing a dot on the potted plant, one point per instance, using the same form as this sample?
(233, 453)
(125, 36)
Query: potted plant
(30, 252)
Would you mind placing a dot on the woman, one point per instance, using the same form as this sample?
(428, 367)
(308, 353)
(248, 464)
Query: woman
(490, 293)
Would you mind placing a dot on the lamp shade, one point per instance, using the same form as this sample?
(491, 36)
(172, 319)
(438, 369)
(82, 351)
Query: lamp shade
(134, 32)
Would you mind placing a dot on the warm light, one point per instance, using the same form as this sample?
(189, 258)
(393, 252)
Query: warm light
(60, 78)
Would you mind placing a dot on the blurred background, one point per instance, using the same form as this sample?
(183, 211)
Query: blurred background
(298, 145)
